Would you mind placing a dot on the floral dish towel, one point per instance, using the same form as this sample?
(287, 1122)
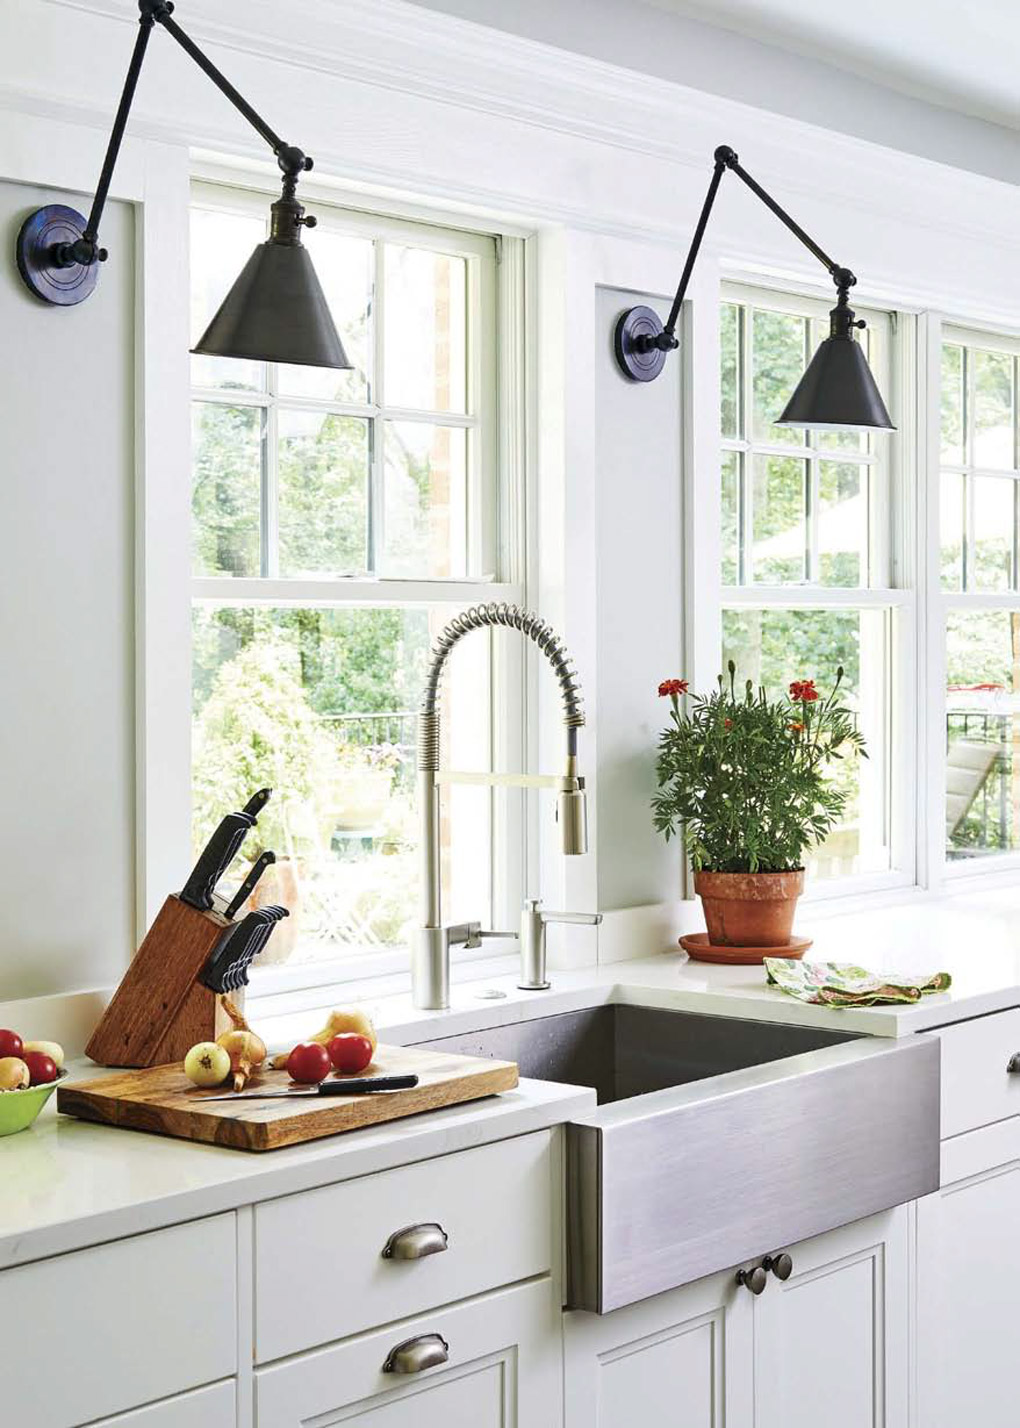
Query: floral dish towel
(841, 984)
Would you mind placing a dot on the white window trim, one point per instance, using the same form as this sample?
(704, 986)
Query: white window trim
(964, 873)
(891, 529)
(498, 376)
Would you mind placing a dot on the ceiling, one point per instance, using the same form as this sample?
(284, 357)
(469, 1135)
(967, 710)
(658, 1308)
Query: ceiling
(959, 55)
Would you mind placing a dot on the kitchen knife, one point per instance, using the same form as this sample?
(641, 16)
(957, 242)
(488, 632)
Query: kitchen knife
(356, 1086)
(258, 801)
(214, 858)
(248, 886)
(228, 963)
(221, 850)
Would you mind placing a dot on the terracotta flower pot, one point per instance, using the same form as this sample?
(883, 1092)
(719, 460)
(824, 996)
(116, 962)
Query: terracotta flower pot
(749, 909)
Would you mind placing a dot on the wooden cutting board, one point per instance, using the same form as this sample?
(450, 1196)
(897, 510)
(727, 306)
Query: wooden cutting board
(162, 1099)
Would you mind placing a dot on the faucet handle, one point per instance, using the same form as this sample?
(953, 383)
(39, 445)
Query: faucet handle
(485, 932)
(588, 919)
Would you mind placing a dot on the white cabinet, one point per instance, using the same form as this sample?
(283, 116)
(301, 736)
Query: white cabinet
(501, 1368)
(827, 1345)
(135, 1321)
(968, 1245)
(831, 1341)
(681, 1358)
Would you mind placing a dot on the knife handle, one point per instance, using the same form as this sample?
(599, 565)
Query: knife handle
(354, 1085)
(257, 802)
(246, 889)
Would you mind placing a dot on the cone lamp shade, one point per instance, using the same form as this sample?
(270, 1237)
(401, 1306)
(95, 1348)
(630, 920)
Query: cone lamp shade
(276, 311)
(837, 392)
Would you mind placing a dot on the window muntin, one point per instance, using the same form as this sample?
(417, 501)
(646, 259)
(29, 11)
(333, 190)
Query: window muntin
(979, 513)
(339, 520)
(805, 551)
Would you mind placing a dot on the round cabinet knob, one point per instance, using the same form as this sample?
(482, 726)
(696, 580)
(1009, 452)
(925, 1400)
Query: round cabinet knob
(753, 1279)
(1013, 1064)
(780, 1264)
(415, 1355)
(416, 1241)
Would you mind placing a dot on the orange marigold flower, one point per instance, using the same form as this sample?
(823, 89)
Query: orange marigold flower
(727, 723)
(797, 727)
(673, 686)
(803, 691)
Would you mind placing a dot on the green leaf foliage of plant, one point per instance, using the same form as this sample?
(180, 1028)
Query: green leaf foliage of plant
(742, 777)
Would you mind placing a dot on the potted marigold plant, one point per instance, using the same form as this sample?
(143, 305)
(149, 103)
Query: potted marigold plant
(742, 779)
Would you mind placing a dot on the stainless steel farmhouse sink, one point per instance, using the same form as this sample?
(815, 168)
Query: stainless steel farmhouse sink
(717, 1140)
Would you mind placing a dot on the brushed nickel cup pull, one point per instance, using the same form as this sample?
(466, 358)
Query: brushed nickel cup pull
(1013, 1064)
(414, 1355)
(416, 1241)
(780, 1264)
(753, 1279)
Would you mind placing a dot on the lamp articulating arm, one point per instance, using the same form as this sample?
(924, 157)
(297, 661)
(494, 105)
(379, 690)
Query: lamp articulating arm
(58, 257)
(642, 341)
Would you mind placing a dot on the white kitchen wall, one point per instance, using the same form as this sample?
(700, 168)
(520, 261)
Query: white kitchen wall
(397, 103)
(67, 764)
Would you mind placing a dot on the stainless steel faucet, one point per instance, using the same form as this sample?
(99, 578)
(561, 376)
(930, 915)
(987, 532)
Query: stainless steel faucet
(430, 964)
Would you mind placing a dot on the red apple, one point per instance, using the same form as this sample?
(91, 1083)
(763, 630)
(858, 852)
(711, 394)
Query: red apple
(41, 1068)
(10, 1043)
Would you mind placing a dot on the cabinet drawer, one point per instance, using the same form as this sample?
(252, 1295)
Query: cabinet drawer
(499, 1366)
(125, 1324)
(494, 1205)
(977, 1089)
(213, 1407)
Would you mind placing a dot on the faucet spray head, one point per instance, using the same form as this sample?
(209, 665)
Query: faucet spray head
(572, 816)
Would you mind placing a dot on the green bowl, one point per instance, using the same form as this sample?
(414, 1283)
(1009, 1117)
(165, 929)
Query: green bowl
(18, 1109)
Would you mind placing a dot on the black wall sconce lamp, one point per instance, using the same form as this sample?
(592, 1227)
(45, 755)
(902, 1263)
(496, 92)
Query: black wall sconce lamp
(837, 392)
(276, 310)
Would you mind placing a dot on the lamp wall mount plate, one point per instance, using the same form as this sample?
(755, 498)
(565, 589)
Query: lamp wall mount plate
(41, 241)
(637, 331)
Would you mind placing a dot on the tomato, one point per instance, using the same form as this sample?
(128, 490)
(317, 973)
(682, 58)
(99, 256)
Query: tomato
(10, 1044)
(350, 1052)
(41, 1068)
(309, 1062)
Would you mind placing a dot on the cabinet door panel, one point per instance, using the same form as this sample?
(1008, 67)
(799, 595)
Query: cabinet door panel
(680, 1360)
(968, 1241)
(831, 1341)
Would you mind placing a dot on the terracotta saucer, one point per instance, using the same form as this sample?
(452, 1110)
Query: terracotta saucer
(699, 949)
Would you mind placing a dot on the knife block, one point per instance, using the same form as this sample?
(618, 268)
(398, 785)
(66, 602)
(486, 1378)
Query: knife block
(161, 1009)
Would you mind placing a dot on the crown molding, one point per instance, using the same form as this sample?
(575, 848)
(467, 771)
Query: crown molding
(397, 46)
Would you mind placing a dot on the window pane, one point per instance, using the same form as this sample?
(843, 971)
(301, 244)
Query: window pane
(319, 704)
(345, 268)
(323, 482)
(221, 244)
(982, 732)
(990, 553)
(729, 350)
(842, 524)
(778, 343)
(952, 499)
(778, 513)
(993, 409)
(426, 330)
(773, 647)
(952, 406)
(425, 500)
(226, 461)
(730, 533)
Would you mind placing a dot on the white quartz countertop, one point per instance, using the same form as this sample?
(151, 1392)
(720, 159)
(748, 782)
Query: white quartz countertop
(68, 1183)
